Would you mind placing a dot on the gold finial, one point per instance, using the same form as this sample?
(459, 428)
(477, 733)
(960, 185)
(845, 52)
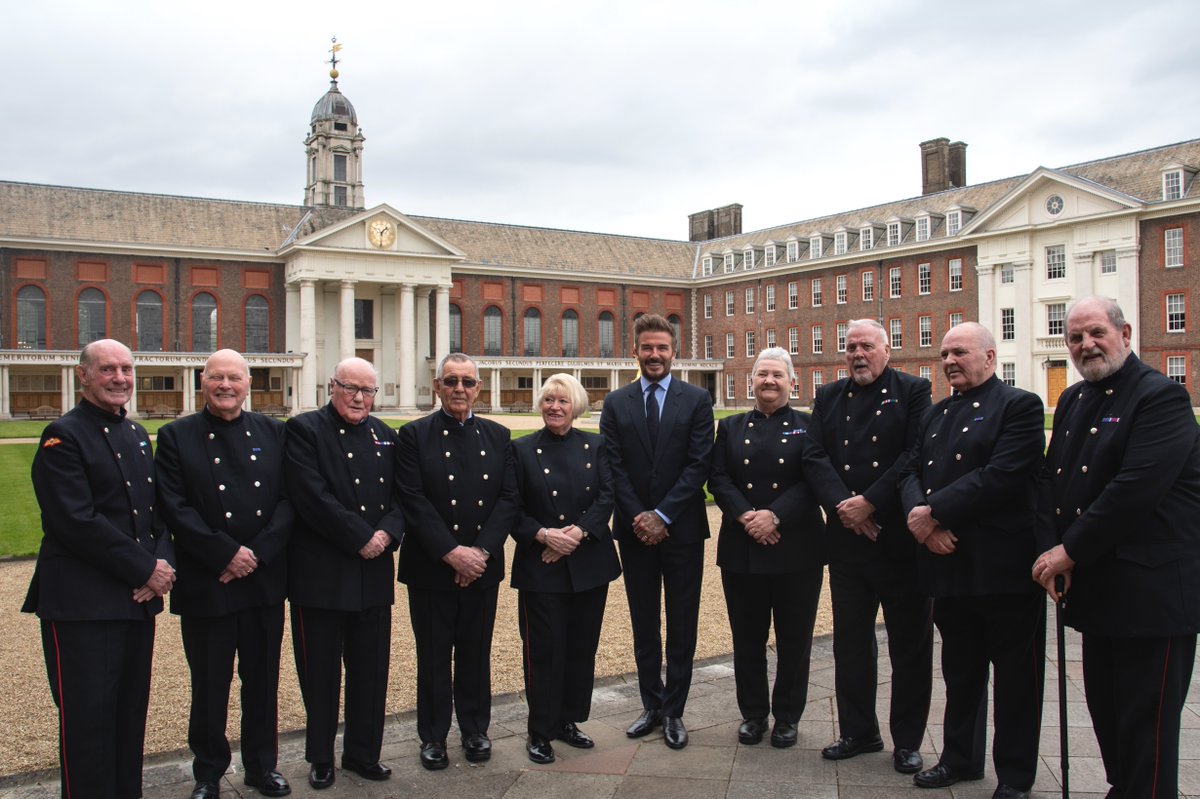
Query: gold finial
(333, 59)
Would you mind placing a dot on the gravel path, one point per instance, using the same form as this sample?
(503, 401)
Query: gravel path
(28, 718)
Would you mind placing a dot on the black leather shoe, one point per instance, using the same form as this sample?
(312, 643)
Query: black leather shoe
(784, 734)
(206, 790)
(539, 749)
(477, 747)
(571, 735)
(849, 746)
(433, 755)
(1008, 792)
(752, 731)
(320, 775)
(907, 761)
(942, 777)
(368, 771)
(645, 723)
(268, 783)
(674, 733)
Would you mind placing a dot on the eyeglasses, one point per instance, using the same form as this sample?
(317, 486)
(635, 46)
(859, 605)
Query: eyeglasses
(453, 380)
(351, 389)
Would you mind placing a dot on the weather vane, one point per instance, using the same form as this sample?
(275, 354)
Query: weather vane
(333, 59)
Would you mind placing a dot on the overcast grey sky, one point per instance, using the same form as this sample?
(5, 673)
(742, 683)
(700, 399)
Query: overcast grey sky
(612, 116)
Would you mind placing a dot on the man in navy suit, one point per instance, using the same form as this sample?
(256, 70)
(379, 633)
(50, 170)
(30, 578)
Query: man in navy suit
(1120, 520)
(658, 436)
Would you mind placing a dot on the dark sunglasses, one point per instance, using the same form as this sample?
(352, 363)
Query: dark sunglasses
(452, 382)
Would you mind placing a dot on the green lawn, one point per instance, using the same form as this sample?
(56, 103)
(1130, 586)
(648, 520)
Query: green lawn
(21, 523)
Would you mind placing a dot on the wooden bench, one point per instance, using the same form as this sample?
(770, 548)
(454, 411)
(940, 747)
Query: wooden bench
(272, 410)
(45, 412)
(160, 412)
(520, 407)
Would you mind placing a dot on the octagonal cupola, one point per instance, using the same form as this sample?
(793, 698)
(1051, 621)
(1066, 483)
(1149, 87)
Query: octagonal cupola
(333, 148)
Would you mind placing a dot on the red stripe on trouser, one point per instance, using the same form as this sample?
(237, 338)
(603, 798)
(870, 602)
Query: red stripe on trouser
(1162, 689)
(62, 713)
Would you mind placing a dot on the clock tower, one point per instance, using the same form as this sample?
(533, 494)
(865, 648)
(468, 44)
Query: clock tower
(333, 149)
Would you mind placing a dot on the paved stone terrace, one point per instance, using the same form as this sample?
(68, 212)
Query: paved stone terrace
(713, 766)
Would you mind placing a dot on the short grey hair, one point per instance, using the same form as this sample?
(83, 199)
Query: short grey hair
(874, 325)
(455, 357)
(776, 354)
(564, 383)
(1116, 317)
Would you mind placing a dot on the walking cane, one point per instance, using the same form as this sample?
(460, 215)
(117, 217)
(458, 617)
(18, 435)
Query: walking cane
(1059, 585)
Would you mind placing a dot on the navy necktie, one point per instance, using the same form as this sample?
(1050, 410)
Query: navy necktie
(652, 413)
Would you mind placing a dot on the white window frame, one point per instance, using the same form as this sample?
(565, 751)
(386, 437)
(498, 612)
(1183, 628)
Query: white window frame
(751, 344)
(1178, 324)
(818, 380)
(751, 295)
(1008, 324)
(896, 333)
(1056, 262)
(1177, 368)
(843, 373)
(954, 272)
(926, 372)
(706, 266)
(1007, 275)
(730, 346)
(866, 239)
(923, 228)
(708, 347)
(956, 319)
(1108, 262)
(1008, 372)
(771, 337)
(868, 285)
(729, 301)
(816, 295)
(730, 382)
(794, 340)
(1056, 316)
(840, 242)
(770, 297)
(1173, 247)
(793, 251)
(924, 278)
(816, 247)
(1172, 184)
(793, 295)
(708, 306)
(895, 282)
(843, 330)
(894, 234)
(925, 331)
(730, 265)
(953, 223)
(818, 339)
(769, 255)
(747, 258)
(749, 385)
(841, 283)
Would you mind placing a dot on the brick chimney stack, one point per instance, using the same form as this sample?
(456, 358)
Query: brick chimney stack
(943, 165)
(715, 223)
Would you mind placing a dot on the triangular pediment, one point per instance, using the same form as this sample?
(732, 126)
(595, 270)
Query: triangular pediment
(1049, 197)
(379, 230)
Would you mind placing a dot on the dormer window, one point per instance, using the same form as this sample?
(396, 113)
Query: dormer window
(841, 241)
(866, 238)
(815, 248)
(748, 258)
(793, 251)
(769, 254)
(893, 234)
(729, 265)
(1172, 184)
(898, 228)
(706, 266)
(922, 228)
(953, 223)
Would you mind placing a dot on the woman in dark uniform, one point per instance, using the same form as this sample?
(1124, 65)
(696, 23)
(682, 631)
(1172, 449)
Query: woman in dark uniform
(563, 564)
(771, 549)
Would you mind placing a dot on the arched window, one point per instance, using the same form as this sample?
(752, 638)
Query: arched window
(570, 334)
(258, 324)
(607, 335)
(493, 331)
(533, 333)
(31, 319)
(204, 322)
(455, 329)
(149, 322)
(677, 326)
(91, 316)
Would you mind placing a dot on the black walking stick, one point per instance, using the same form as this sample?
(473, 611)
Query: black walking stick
(1059, 586)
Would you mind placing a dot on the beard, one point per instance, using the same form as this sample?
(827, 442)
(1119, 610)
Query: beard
(1095, 370)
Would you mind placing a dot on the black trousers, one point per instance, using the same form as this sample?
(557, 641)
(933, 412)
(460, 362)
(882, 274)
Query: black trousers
(210, 643)
(323, 641)
(1009, 633)
(453, 625)
(857, 590)
(1135, 690)
(676, 571)
(100, 679)
(753, 600)
(560, 632)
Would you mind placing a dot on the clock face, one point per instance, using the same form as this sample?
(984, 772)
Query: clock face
(381, 233)
(1054, 205)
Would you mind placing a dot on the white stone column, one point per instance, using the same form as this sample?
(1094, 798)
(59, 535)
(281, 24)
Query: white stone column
(496, 406)
(406, 378)
(131, 407)
(1128, 293)
(67, 387)
(1084, 270)
(307, 390)
(537, 385)
(422, 342)
(986, 287)
(189, 391)
(441, 343)
(346, 321)
(389, 341)
(1025, 309)
(5, 400)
